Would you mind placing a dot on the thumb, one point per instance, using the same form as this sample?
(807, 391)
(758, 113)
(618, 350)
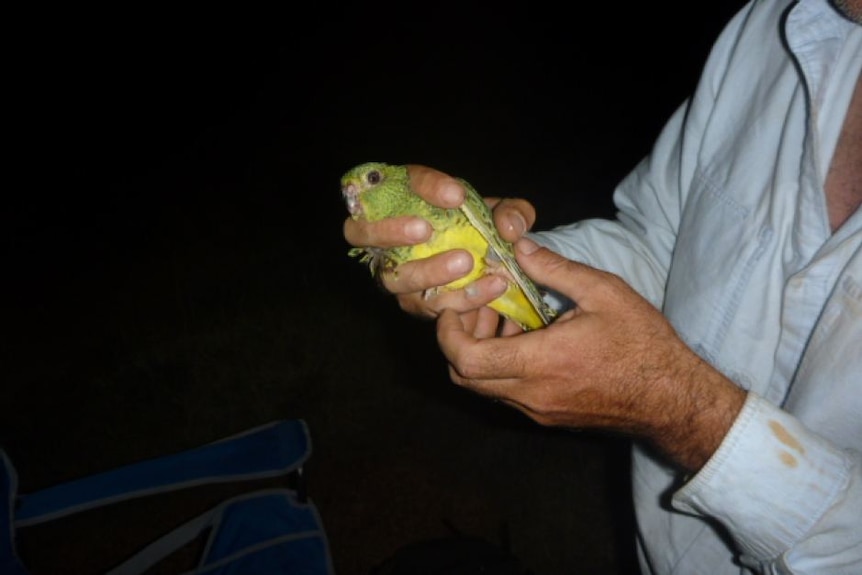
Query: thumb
(435, 187)
(574, 280)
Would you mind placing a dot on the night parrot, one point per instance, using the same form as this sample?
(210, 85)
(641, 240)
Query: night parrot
(376, 190)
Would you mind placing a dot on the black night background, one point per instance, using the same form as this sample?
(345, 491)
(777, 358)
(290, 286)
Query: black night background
(174, 270)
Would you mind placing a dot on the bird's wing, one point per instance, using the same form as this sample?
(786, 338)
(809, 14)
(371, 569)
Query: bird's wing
(479, 215)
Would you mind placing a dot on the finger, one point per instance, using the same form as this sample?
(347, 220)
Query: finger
(479, 322)
(427, 273)
(452, 335)
(388, 232)
(579, 282)
(479, 360)
(487, 323)
(475, 296)
(415, 304)
(435, 187)
(513, 218)
(469, 320)
(510, 328)
(494, 390)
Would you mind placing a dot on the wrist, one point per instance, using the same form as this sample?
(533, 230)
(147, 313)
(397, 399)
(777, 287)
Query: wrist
(700, 407)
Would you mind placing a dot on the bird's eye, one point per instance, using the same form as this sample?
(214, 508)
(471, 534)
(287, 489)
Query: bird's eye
(373, 177)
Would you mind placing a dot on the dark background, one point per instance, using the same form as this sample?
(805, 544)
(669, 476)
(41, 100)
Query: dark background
(174, 269)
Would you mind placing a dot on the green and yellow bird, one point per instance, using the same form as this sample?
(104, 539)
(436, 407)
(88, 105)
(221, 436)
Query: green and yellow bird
(376, 190)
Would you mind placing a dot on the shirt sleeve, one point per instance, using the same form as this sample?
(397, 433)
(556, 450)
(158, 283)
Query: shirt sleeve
(791, 499)
(638, 244)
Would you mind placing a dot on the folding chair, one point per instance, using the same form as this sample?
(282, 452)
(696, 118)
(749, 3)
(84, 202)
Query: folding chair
(261, 532)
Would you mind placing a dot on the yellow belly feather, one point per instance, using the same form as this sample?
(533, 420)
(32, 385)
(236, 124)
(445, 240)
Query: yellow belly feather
(513, 303)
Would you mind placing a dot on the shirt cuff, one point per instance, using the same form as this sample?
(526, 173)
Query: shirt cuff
(769, 482)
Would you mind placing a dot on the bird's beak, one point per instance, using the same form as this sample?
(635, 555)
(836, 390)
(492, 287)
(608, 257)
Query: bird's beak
(350, 191)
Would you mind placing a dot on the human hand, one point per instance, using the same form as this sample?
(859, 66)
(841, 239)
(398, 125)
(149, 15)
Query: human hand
(614, 362)
(412, 280)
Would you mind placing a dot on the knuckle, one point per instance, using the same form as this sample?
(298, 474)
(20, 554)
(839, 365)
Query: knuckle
(468, 368)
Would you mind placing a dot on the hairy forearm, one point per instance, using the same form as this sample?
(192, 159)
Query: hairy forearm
(696, 409)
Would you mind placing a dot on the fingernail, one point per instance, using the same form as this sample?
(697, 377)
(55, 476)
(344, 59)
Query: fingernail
(452, 195)
(417, 229)
(495, 288)
(498, 285)
(526, 246)
(517, 223)
(459, 264)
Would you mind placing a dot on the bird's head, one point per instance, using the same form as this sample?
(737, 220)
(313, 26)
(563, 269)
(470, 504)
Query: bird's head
(361, 179)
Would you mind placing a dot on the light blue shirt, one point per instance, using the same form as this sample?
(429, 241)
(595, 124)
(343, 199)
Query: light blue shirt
(724, 227)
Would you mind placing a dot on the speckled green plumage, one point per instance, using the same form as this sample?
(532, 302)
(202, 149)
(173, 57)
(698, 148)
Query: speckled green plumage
(376, 190)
